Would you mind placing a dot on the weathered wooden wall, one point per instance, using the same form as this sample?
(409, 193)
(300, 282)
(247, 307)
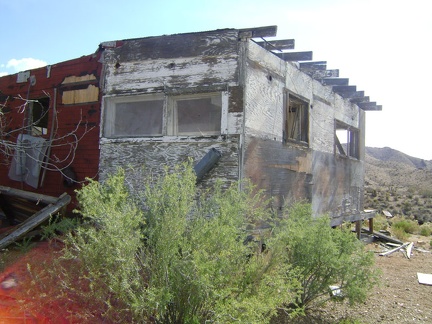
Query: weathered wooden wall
(77, 106)
(256, 83)
(295, 171)
(175, 64)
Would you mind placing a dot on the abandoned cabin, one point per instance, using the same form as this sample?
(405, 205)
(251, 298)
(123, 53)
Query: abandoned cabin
(266, 112)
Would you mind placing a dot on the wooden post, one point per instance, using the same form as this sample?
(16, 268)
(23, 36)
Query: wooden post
(370, 225)
(358, 228)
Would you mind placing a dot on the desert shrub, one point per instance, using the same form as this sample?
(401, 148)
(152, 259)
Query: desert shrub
(380, 222)
(426, 230)
(187, 262)
(183, 257)
(426, 193)
(400, 234)
(406, 225)
(322, 256)
(58, 226)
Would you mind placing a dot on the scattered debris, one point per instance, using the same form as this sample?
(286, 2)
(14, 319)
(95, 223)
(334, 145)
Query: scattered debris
(28, 210)
(394, 250)
(385, 238)
(9, 282)
(424, 278)
(336, 292)
(409, 250)
(387, 214)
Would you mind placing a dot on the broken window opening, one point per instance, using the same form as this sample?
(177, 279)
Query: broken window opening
(38, 117)
(347, 140)
(296, 126)
(159, 115)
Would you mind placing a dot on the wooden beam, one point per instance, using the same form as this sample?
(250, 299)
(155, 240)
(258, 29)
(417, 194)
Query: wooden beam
(334, 81)
(282, 44)
(318, 74)
(359, 99)
(369, 106)
(268, 31)
(318, 65)
(358, 228)
(394, 250)
(34, 221)
(351, 95)
(344, 89)
(27, 195)
(386, 238)
(295, 56)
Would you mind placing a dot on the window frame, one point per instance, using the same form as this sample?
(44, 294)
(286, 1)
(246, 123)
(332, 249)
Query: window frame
(38, 125)
(169, 113)
(109, 118)
(302, 119)
(173, 119)
(352, 140)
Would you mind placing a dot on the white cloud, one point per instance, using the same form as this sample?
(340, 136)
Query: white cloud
(3, 74)
(25, 64)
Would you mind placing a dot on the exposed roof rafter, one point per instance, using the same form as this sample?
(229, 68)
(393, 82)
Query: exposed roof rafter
(316, 70)
(295, 56)
(278, 45)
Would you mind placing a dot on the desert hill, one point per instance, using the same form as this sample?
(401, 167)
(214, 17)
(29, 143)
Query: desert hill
(399, 183)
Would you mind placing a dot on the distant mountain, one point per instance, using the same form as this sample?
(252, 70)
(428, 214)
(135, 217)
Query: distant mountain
(399, 183)
(387, 154)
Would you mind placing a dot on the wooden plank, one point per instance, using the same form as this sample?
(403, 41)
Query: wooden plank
(344, 90)
(360, 99)
(267, 31)
(317, 65)
(369, 106)
(386, 238)
(282, 44)
(295, 56)
(27, 195)
(394, 250)
(318, 74)
(354, 94)
(335, 81)
(409, 250)
(34, 221)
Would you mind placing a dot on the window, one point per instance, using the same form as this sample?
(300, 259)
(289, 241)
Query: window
(38, 117)
(197, 115)
(158, 115)
(346, 140)
(296, 126)
(134, 116)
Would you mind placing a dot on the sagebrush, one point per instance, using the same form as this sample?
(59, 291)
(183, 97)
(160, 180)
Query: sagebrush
(189, 257)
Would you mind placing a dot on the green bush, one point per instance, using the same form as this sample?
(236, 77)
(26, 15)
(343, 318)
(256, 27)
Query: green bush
(184, 258)
(400, 234)
(322, 256)
(406, 225)
(426, 230)
(187, 263)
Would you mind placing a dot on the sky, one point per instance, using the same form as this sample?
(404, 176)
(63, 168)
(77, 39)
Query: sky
(384, 47)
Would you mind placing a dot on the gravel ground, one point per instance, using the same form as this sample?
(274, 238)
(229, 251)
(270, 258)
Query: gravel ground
(398, 299)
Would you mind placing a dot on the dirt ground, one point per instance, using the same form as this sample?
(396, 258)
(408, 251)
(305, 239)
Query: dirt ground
(398, 299)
